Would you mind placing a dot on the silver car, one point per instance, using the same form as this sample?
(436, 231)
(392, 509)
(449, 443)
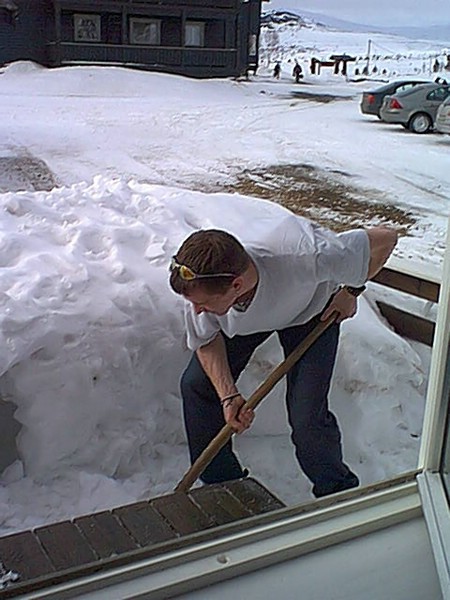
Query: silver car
(371, 101)
(442, 122)
(415, 108)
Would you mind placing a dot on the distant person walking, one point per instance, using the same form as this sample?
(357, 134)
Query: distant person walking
(297, 72)
(277, 71)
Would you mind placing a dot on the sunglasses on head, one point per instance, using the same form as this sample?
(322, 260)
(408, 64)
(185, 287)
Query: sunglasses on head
(187, 274)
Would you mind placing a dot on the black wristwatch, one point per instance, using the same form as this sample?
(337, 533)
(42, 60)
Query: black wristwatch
(354, 291)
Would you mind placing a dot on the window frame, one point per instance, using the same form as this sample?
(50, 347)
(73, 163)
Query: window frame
(239, 549)
(201, 27)
(140, 21)
(436, 513)
(252, 44)
(96, 19)
(435, 502)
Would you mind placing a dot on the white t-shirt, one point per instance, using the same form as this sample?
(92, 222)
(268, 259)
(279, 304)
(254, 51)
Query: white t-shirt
(299, 266)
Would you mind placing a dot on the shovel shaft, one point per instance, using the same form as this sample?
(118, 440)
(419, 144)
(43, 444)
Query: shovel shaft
(224, 435)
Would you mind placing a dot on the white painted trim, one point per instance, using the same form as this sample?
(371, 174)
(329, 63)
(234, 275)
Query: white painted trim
(427, 271)
(437, 516)
(231, 555)
(436, 406)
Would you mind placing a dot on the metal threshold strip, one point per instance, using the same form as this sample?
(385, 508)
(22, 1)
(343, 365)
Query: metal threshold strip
(267, 540)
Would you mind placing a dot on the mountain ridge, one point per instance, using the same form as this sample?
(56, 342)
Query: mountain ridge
(310, 19)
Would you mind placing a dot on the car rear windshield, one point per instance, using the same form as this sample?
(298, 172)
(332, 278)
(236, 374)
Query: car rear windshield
(383, 88)
(391, 87)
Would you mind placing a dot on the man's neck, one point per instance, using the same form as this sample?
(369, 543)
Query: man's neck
(250, 283)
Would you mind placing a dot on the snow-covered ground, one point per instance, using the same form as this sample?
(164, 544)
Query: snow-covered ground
(92, 338)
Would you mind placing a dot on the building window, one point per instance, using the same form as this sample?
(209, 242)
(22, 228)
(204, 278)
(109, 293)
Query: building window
(9, 11)
(194, 33)
(87, 28)
(145, 31)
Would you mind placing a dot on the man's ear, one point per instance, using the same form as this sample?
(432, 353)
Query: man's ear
(238, 283)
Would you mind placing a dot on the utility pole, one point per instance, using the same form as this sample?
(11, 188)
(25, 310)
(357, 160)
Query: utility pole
(369, 44)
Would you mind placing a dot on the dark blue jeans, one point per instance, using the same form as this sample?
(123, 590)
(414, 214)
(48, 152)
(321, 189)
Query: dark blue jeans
(315, 432)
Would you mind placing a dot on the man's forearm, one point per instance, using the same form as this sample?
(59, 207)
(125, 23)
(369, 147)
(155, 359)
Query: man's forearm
(382, 242)
(214, 360)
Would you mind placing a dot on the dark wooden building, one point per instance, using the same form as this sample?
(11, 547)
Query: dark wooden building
(199, 38)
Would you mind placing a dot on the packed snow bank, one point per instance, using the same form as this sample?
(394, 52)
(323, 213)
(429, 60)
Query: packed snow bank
(114, 82)
(89, 341)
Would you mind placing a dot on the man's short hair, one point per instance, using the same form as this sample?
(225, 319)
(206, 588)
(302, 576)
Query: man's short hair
(209, 251)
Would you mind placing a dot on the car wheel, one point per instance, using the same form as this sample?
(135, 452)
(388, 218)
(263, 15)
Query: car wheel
(420, 123)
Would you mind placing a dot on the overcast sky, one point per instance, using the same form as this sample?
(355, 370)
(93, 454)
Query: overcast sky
(396, 13)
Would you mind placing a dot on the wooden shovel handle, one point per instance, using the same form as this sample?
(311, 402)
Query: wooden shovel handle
(224, 435)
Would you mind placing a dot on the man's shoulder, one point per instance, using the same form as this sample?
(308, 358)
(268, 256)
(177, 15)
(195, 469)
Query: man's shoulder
(284, 237)
(284, 231)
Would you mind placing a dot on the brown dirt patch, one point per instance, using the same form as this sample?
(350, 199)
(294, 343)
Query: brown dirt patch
(323, 98)
(326, 197)
(25, 173)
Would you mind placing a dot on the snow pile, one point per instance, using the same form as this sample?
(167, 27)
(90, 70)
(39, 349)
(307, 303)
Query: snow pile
(111, 82)
(379, 388)
(81, 314)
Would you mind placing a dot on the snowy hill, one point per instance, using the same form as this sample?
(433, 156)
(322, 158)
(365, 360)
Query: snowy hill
(439, 32)
(285, 17)
(311, 19)
(287, 36)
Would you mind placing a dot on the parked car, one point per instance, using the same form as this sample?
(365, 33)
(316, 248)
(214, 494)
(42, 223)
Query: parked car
(371, 101)
(442, 123)
(415, 108)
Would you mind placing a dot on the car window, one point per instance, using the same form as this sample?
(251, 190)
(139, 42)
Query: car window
(412, 89)
(407, 86)
(439, 94)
